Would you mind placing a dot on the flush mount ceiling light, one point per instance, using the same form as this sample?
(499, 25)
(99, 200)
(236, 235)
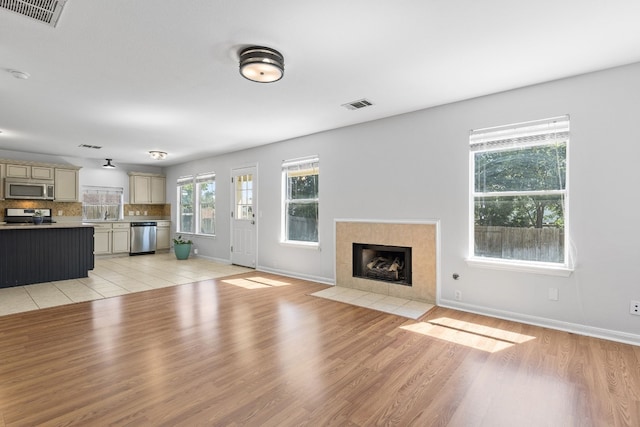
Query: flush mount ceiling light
(19, 74)
(261, 64)
(158, 155)
(108, 165)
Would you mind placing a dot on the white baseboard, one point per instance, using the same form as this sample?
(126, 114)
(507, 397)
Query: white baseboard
(323, 280)
(575, 328)
(219, 260)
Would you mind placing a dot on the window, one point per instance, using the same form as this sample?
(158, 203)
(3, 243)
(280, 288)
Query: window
(102, 203)
(206, 202)
(196, 204)
(519, 193)
(300, 200)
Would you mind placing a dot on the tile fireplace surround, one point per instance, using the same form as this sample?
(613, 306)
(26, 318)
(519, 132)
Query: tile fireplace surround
(420, 236)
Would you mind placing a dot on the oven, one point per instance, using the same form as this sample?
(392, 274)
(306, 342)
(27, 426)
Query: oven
(26, 216)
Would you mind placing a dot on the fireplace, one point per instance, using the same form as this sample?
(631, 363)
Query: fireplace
(420, 236)
(382, 262)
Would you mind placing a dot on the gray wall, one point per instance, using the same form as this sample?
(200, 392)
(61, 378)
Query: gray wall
(416, 167)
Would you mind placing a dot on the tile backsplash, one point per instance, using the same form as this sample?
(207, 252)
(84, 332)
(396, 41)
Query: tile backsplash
(74, 209)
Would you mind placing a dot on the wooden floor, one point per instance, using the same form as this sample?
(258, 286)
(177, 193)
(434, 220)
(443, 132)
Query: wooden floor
(257, 350)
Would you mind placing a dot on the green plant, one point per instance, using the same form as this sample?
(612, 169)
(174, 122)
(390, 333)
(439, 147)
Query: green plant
(37, 213)
(178, 240)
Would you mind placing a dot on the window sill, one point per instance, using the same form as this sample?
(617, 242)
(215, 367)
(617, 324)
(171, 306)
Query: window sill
(192, 235)
(536, 268)
(304, 245)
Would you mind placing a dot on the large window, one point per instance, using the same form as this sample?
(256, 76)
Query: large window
(519, 192)
(300, 200)
(196, 204)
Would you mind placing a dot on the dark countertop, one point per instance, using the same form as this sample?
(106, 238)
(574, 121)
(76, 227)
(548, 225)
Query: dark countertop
(4, 226)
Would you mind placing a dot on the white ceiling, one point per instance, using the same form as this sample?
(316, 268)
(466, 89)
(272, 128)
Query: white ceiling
(134, 76)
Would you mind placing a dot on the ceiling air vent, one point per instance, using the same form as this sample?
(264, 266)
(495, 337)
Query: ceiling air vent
(47, 11)
(96, 147)
(356, 105)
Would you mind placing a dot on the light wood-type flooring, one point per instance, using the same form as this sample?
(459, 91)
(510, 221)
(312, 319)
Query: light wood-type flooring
(257, 350)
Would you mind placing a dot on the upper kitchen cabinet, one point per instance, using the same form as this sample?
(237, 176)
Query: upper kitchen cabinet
(29, 171)
(66, 185)
(146, 188)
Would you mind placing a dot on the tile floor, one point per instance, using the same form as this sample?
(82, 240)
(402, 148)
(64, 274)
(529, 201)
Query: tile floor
(388, 304)
(112, 277)
(123, 275)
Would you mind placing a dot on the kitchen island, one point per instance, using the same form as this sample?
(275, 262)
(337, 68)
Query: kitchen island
(44, 253)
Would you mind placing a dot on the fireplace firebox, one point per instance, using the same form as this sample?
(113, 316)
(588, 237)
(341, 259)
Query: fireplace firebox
(382, 262)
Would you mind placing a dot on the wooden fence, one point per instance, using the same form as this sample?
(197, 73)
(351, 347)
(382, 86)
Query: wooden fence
(530, 244)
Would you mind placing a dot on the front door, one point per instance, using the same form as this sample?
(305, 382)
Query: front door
(244, 245)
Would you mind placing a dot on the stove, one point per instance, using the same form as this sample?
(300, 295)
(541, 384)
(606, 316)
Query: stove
(25, 216)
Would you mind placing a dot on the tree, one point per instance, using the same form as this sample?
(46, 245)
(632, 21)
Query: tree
(521, 170)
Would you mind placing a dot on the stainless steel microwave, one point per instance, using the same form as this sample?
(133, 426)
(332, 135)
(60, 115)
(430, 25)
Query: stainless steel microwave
(28, 189)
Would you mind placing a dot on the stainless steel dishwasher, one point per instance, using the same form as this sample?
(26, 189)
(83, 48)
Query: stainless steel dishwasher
(143, 237)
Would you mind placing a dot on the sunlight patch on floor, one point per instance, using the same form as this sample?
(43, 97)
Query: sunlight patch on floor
(255, 282)
(472, 335)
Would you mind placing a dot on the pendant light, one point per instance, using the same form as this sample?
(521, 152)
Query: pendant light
(108, 165)
(261, 64)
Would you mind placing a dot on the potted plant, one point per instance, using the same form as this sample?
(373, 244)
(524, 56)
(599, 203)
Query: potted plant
(37, 217)
(182, 247)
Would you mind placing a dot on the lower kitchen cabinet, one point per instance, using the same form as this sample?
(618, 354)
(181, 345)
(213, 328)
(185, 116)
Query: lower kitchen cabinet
(163, 234)
(121, 238)
(101, 239)
(111, 238)
(38, 254)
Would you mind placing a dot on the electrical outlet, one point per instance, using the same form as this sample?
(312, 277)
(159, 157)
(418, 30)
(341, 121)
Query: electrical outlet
(634, 308)
(195, 251)
(553, 294)
(457, 295)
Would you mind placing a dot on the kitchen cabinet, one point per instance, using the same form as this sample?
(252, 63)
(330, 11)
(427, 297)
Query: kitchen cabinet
(101, 239)
(37, 254)
(111, 238)
(158, 189)
(29, 172)
(146, 188)
(163, 234)
(66, 185)
(121, 237)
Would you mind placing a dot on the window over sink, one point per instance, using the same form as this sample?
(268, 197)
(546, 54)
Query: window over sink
(102, 203)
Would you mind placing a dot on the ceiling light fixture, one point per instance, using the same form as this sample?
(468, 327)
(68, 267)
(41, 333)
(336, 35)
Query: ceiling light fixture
(261, 64)
(19, 74)
(108, 165)
(158, 155)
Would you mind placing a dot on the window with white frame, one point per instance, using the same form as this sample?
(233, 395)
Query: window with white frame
(300, 179)
(196, 197)
(102, 203)
(518, 205)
